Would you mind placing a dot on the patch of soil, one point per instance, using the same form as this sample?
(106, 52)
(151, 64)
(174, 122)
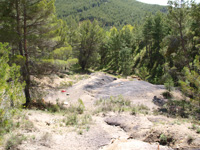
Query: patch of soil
(123, 144)
(156, 129)
(136, 126)
(51, 136)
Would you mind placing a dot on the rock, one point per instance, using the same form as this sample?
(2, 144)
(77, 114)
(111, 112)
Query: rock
(66, 103)
(48, 123)
(196, 142)
(123, 144)
(99, 82)
(163, 110)
(158, 101)
(137, 127)
(135, 77)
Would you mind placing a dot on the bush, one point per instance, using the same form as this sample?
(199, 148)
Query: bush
(72, 120)
(78, 109)
(47, 66)
(116, 104)
(169, 84)
(79, 120)
(163, 139)
(139, 109)
(133, 111)
(190, 139)
(182, 108)
(85, 119)
(53, 108)
(14, 141)
(119, 104)
(11, 90)
(66, 84)
(143, 73)
(198, 130)
(167, 95)
(190, 86)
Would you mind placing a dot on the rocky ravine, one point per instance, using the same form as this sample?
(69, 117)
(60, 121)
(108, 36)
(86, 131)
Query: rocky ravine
(111, 131)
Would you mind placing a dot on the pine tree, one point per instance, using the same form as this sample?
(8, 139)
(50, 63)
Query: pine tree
(157, 57)
(89, 43)
(126, 36)
(126, 61)
(178, 22)
(29, 28)
(191, 85)
(195, 28)
(148, 37)
(115, 45)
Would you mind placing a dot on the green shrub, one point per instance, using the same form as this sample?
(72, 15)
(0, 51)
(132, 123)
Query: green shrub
(79, 120)
(72, 120)
(133, 111)
(11, 90)
(85, 119)
(119, 104)
(55, 65)
(66, 84)
(53, 108)
(26, 124)
(143, 73)
(194, 127)
(198, 130)
(182, 108)
(80, 132)
(167, 95)
(190, 86)
(14, 141)
(142, 107)
(81, 106)
(139, 109)
(169, 84)
(79, 77)
(116, 104)
(163, 139)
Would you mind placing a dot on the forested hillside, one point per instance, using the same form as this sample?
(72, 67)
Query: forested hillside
(107, 12)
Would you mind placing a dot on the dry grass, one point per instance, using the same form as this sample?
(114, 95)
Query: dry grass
(14, 140)
(119, 104)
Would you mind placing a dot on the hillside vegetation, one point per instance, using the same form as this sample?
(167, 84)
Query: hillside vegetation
(108, 12)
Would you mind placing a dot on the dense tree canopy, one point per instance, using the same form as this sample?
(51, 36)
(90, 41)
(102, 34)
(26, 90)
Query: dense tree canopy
(108, 12)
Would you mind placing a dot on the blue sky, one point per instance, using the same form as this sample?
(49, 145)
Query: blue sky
(160, 2)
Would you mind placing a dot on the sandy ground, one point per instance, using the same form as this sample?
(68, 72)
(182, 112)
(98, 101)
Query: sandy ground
(111, 131)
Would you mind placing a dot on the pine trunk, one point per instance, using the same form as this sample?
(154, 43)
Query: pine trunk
(26, 73)
(19, 28)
